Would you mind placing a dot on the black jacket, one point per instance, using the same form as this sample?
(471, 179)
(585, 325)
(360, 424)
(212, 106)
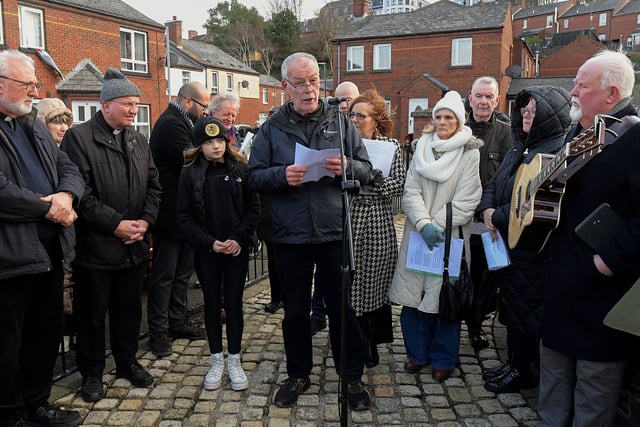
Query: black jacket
(576, 296)
(311, 212)
(520, 286)
(20, 249)
(222, 208)
(118, 186)
(496, 135)
(171, 135)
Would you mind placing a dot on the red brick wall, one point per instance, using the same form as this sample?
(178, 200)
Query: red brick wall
(625, 25)
(72, 35)
(566, 61)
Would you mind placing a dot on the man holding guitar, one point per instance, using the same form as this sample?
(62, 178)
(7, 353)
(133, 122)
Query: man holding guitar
(582, 361)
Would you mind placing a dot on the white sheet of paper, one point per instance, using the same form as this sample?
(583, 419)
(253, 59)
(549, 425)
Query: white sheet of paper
(313, 159)
(496, 252)
(421, 259)
(380, 154)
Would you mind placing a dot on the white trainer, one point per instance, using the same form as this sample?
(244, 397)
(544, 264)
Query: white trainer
(213, 379)
(237, 376)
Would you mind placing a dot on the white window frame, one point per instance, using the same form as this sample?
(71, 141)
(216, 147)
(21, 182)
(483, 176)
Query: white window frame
(638, 18)
(214, 82)
(1, 28)
(565, 23)
(458, 55)
(29, 36)
(524, 24)
(382, 56)
(229, 82)
(549, 23)
(136, 62)
(283, 99)
(355, 58)
(84, 110)
(602, 20)
(265, 95)
(143, 126)
(186, 77)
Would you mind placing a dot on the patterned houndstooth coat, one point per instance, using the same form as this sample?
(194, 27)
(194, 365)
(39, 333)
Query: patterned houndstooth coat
(374, 239)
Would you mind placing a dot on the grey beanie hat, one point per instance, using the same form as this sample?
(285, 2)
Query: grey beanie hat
(116, 85)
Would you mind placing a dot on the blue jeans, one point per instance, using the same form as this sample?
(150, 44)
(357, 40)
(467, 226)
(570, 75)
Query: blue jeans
(428, 340)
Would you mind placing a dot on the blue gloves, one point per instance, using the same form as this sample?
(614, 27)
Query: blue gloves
(431, 235)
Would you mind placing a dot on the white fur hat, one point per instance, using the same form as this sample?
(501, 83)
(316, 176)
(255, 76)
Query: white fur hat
(452, 101)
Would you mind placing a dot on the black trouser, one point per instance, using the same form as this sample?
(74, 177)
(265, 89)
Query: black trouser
(296, 265)
(169, 283)
(484, 290)
(274, 277)
(119, 292)
(31, 322)
(214, 269)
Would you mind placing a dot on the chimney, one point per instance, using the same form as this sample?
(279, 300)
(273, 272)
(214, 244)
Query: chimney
(192, 34)
(360, 8)
(175, 31)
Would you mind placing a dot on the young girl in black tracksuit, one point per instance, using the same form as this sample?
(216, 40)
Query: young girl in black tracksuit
(218, 216)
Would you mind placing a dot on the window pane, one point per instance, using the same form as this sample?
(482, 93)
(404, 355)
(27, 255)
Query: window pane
(355, 58)
(125, 45)
(382, 57)
(140, 50)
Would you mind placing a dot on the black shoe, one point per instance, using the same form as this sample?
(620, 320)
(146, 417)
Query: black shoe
(92, 389)
(49, 415)
(187, 331)
(502, 370)
(511, 382)
(317, 325)
(160, 345)
(371, 356)
(287, 395)
(478, 339)
(358, 396)
(272, 307)
(135, 373)
(412, 367)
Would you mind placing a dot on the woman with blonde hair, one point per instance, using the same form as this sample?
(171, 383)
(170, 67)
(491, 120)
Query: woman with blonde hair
(444, 168)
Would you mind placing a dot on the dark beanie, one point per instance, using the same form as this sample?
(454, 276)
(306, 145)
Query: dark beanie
(207, 128)
(116, 85)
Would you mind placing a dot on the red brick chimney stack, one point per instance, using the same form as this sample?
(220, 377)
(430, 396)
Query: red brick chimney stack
(360, 8)
(175, 31)
(192, 34)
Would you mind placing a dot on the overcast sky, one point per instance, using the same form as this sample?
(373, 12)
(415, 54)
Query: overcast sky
(193, 13)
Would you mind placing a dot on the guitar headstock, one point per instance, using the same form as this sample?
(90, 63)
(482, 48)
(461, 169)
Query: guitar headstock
(585, 141)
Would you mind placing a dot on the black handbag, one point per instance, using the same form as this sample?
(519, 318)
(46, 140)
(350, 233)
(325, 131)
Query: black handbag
(455, 298)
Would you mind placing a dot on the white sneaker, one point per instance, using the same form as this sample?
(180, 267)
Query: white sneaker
(237, 376)
(213, 379)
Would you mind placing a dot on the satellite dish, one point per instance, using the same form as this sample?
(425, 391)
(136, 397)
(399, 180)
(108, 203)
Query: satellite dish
(513, 71)
(245, 84)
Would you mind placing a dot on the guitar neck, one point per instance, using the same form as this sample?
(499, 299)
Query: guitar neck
(557, 162)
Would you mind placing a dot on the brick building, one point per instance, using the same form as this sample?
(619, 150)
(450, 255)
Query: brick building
(80, 39)
(413, 58)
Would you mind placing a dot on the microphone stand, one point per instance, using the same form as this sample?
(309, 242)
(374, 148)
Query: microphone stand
(349, 187)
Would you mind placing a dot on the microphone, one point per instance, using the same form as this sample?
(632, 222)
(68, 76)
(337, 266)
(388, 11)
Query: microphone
(337, 101)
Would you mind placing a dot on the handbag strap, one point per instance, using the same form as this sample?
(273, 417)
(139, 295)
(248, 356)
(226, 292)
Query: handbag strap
(447, 238)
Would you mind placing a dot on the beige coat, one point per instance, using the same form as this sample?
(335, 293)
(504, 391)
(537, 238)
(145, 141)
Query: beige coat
(424, 200)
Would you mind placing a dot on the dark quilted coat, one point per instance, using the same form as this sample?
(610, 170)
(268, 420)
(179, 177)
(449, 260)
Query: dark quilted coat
(520, 283)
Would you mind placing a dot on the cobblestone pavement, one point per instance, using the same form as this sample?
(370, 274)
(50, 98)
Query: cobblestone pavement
(398, 398)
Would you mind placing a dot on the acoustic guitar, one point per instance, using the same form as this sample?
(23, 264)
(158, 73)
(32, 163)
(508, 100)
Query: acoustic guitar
(539, 187)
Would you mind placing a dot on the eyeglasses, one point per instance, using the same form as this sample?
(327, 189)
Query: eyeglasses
(531, 111)
(360, 116)
(28, 85)
(303, 87)
(198, 102)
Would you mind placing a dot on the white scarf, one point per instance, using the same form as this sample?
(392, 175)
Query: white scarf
(449, 154)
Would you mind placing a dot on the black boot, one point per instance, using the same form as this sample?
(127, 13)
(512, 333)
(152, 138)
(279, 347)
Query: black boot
(512, 381)
(491, 374)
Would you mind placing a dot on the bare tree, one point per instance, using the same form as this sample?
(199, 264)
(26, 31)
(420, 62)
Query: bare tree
(294, 6)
